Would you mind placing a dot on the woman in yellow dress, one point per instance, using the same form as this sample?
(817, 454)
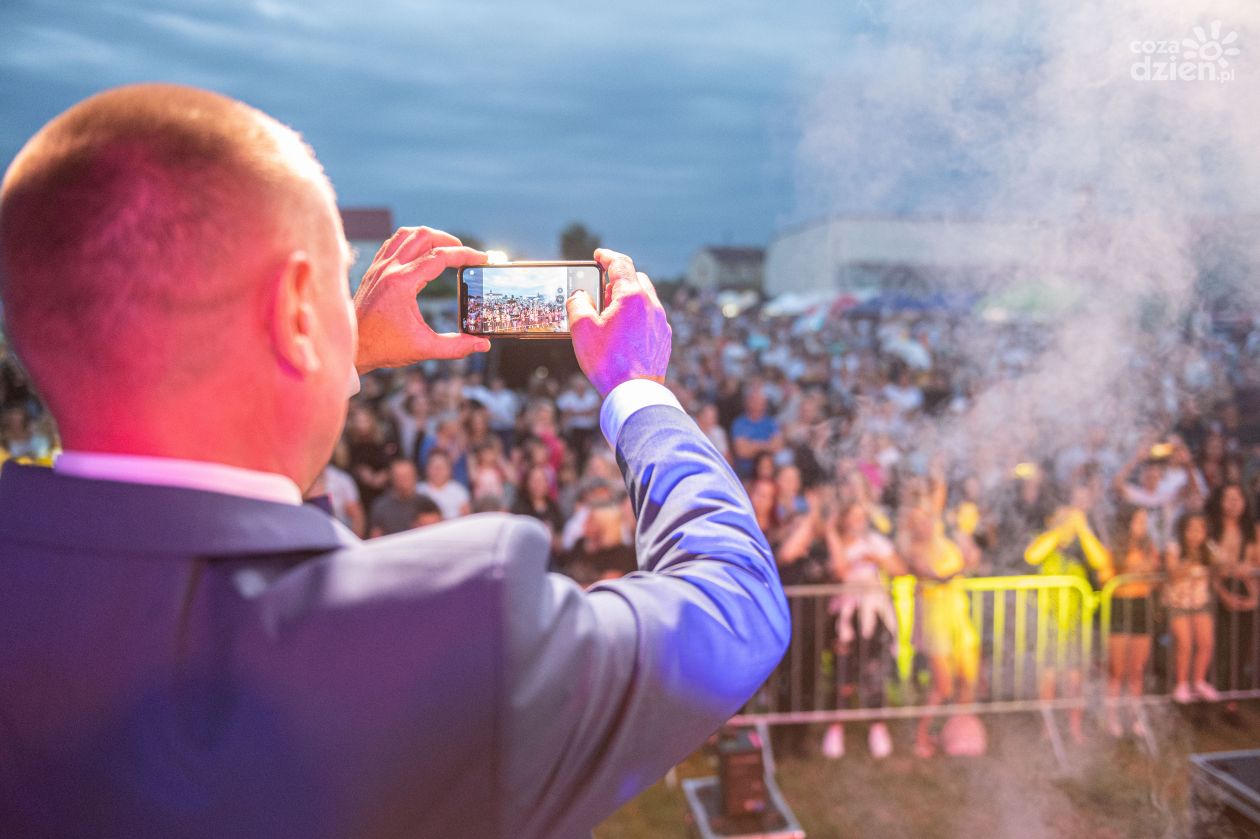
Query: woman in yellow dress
(946, 635)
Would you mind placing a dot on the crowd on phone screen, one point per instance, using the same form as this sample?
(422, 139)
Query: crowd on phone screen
(511, 313)
(825, 418)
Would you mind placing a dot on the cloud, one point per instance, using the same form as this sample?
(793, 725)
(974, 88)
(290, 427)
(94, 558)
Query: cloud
(652, 123)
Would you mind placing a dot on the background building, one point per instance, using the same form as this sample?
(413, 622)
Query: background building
(727, 267)
(915, 256)
(895, 254)
(367, 228)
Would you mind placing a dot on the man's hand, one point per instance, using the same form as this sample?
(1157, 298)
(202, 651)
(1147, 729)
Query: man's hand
(392, 332)
(630, 338)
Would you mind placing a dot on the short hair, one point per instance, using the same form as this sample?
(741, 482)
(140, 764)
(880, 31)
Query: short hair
(401, 461)
(425, 506)
(134, 225)
(489, 504)
(592, 486)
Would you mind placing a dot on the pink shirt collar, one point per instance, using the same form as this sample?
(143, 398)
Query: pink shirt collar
(173, 472)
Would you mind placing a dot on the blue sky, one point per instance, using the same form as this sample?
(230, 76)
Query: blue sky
(522, 282)
(660, 125)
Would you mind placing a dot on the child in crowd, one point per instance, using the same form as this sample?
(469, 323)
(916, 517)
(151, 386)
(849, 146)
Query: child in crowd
(866, 625)
(1190, 560)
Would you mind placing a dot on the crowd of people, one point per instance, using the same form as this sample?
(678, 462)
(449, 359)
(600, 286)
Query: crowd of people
(858, 440)
(515, 313)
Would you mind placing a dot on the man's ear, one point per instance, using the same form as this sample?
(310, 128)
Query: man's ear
(293, 317)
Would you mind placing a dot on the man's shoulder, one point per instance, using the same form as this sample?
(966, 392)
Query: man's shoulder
(462, 564)
(470, 546)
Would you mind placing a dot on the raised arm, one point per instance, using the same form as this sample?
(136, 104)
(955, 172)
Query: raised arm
(1096, 553)
(605, 690)
(800, 536)
(1043, 545)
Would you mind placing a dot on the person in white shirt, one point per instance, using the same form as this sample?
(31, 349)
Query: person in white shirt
(343, 495)
(503, 405)
(579, 412)
(450, 495)
(904, 395)
(707, 419)
(1167, 480)
(411, 414)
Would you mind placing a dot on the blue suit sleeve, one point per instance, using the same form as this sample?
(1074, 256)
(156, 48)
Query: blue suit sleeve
(606, 689)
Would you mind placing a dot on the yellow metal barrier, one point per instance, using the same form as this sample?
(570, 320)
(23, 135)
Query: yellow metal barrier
(1030, 628)
(1027, 626)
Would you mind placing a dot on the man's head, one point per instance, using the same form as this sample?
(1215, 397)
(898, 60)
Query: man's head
(755, 401)
(437, 468)
(603, 527)
(427, 512)
(402, 477)
(172, 267)
(1151, 475)
(417, 407)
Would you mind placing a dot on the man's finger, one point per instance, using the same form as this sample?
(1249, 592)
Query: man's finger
(390, 245)
(431, 265)
(421, 240)
(451, 345)
(410, 242)
(622, 278)
(580, 308)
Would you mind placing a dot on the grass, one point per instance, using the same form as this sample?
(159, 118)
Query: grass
(1111, 789)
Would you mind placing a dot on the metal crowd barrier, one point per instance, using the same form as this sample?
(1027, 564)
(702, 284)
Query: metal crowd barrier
(1024, 627)
(1028, 629)
(1235, 664)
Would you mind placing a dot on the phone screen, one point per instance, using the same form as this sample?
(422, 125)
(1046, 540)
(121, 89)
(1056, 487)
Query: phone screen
(526, 300)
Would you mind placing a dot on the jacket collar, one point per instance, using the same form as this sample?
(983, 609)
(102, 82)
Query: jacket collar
(38, 506)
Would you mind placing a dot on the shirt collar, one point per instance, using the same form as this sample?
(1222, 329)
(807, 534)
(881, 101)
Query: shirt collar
(174, 472)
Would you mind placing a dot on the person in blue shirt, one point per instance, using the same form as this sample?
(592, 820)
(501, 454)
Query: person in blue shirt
(754, 431)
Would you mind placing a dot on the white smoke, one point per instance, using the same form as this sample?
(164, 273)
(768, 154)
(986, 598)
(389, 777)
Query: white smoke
(1053, 118)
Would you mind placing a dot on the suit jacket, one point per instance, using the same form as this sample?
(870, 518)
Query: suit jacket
(176, 662)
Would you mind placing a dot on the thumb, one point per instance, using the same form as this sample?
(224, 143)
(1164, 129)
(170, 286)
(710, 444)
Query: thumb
(451, 345)
(580, 308)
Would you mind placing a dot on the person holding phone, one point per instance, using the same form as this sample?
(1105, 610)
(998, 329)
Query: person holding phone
(191, 651)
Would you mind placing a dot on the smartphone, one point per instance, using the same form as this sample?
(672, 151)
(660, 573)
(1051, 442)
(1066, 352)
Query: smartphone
(524, 299)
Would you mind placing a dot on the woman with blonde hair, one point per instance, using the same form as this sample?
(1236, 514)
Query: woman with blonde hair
(946, 634)
(601, 554)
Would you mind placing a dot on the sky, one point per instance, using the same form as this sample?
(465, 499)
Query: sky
(521, 282)
(662, 126)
